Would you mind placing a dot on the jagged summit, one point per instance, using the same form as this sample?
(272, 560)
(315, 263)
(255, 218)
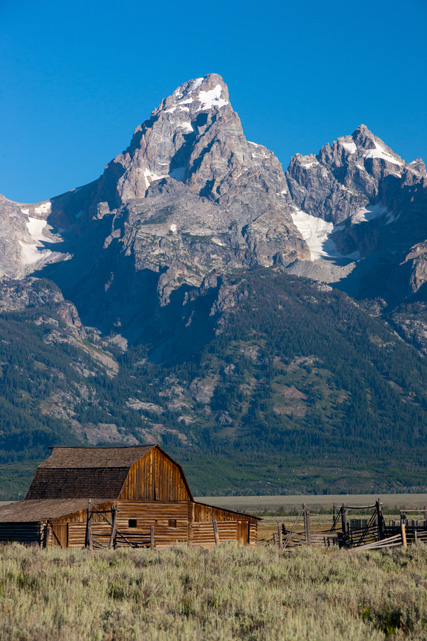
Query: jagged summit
(199, 94)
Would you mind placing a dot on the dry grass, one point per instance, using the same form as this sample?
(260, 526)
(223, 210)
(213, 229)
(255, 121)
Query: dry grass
(268, 504)
(218, 595)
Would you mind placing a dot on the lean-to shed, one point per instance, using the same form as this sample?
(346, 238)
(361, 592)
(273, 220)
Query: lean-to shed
(117, 496)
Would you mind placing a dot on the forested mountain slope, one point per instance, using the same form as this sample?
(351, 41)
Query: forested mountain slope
(296, 388)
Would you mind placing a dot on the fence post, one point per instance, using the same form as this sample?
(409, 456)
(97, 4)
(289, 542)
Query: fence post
(152, 542)
(88, 542)
(416, 537)
(112, 541)
(307, 527)
(274, 539)
(215, 529)
(280, 535)
(344, 519)
(379, 519)
(403, 532)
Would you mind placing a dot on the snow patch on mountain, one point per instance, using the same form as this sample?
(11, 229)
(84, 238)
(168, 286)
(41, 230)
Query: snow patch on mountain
(31, 254)
(380, 152)
(316, 232)
(351, 147)
(187, 127)
(150, 176)
(212, 98)
(368, 213)
(35, 228)
(44, 208)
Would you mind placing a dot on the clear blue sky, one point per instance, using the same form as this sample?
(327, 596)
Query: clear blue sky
(76, 77)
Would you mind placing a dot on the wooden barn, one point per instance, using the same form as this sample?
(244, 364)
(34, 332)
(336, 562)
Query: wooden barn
(115, 497)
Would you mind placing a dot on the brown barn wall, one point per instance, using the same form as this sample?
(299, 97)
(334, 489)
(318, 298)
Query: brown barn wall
(155, 477)
(203, 533)
(173, 522)
(170, 520)
(204, 512)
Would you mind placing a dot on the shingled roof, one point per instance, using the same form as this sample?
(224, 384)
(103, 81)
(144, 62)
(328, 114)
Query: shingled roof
(41, 510)
(84, 472)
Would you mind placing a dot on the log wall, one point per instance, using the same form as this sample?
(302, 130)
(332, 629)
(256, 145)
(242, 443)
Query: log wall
(170, 520)
(27, 533)
(173, 522)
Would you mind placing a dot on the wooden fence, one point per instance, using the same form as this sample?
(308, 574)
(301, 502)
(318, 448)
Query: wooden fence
(356, 533)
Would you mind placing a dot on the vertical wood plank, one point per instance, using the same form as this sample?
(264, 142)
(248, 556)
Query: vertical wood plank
(112, 541)
(280, 535)
(307, 527)
(215, 530)
(403, 533)
(344, 519)
(152, 541)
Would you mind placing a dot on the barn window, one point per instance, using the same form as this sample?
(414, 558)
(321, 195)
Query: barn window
(132, 523)
(172, 522)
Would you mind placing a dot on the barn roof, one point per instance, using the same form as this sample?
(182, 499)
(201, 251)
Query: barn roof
(40, 510)
(84, 472)
(88, 472)
(83, 457)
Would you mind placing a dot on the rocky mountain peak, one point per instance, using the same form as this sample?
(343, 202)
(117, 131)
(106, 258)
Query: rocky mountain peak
(164, 146)
(196, 138)
(199, 94)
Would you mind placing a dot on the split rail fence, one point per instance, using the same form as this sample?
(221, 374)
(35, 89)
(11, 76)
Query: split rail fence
(351, 533)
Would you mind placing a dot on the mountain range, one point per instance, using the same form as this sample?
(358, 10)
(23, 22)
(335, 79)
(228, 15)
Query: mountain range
(268, 327)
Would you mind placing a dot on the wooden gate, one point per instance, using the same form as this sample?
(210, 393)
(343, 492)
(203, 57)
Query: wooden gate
(243, 532)
(60, 534)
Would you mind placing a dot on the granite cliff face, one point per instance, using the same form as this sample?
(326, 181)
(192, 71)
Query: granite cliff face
(362, 211)
(191, 200)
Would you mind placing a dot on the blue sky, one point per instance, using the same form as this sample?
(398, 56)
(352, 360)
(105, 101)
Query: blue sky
(77, 77)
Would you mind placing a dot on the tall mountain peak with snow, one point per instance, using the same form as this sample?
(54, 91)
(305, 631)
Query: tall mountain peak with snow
(191, 198)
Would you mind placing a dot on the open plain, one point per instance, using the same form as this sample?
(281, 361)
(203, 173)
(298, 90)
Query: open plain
(289, 502)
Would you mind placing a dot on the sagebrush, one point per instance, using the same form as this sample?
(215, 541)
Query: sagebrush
(221, 594)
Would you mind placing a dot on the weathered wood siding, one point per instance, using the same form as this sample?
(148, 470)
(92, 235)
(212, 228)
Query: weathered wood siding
(155, 477)
(173, 522)
(202, 512)
(169, 519)
(253, 532)
(202, 534)
(70, 530)
(76, 535)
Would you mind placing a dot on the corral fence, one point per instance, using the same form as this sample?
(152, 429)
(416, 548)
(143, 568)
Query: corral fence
(105, 534)
(351, 533)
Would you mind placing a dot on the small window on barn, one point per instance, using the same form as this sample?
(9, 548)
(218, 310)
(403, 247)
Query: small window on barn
(132, 523)
(172, 522)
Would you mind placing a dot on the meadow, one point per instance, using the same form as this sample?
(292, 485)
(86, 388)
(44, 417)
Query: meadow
(227, 593)
(287, 502)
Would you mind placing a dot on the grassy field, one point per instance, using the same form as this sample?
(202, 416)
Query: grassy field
(225, 594)
(268, 504)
